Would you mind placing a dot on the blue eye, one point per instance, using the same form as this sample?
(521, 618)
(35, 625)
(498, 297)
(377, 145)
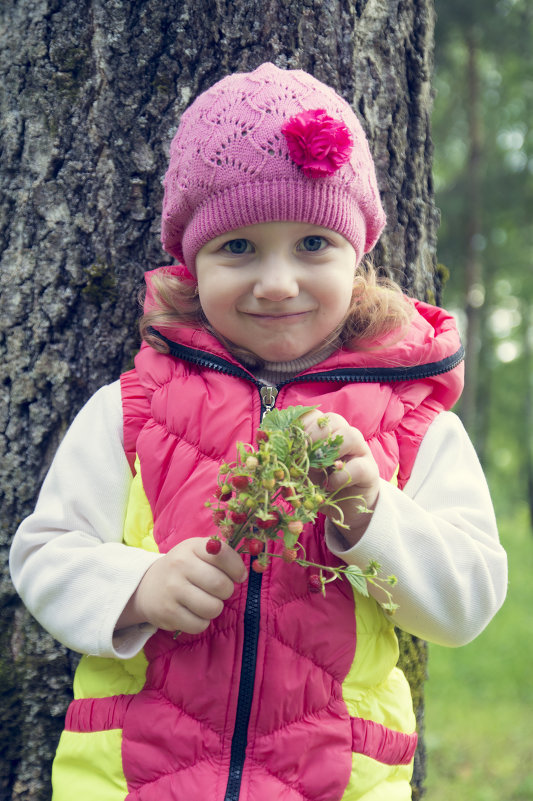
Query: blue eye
(313, 243)
(237, 246)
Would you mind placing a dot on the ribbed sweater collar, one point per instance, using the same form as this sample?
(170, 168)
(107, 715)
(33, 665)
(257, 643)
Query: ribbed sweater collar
(273, 373)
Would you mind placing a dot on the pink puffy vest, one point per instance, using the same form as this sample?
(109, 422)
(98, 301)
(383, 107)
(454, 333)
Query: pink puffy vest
(253, 708)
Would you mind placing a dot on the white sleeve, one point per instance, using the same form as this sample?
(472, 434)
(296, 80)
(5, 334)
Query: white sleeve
(67, 560)
(439, 538)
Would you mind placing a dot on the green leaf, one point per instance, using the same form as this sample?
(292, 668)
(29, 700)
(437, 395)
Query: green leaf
(356, 579)
(281, 419)
(325, 452)
(243, 451)
(280, 446)
(289, 540)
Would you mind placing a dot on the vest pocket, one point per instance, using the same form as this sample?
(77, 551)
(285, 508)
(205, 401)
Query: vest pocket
(381, 743)
(97, 714)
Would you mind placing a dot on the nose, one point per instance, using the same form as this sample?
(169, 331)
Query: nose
(276, 280)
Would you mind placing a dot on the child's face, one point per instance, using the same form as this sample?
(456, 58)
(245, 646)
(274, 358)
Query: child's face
(277, 289)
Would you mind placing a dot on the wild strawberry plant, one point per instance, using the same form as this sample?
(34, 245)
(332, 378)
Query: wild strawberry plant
(268, 495)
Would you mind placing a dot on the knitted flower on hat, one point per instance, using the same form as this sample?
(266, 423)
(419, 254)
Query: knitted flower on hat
(317, 143)
(265, 146)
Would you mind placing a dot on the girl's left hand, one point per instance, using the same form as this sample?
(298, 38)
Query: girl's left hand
(359, 476)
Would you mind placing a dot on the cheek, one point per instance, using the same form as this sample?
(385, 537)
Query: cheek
(208, 303)
(218, 304)
(339, 295)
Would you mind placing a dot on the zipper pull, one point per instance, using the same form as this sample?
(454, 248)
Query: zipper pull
(268, 397)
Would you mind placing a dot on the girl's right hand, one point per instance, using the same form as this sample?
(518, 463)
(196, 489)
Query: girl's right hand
(185, 589)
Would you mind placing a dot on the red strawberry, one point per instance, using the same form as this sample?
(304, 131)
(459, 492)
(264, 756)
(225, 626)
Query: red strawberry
(218, 515)
(213, 546)
(258, 567)
(262, 436)
(287, 492)
(272, 520)
(238, 517)
(240, 482)
(255, 547)
(315, 583)
(289, 555)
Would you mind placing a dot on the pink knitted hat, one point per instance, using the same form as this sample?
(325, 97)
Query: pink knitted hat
(265, 146)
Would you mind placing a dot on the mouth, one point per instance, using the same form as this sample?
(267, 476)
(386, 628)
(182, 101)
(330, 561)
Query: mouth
(277, 315)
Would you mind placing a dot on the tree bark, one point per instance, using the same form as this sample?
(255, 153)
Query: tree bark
(92, 93)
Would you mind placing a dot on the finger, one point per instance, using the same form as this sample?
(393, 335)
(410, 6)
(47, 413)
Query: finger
(200, 603)
(359, 473)
(318, 425)
(353, 443)
(184, 620)
(227, 560)
(210, 579)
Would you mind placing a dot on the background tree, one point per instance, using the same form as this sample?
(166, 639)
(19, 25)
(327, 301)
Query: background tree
(484, 187)
(92, 93)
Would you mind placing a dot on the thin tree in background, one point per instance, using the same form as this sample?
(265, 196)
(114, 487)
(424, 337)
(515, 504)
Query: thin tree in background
(93, 91)
(528, 406)
(474, 284)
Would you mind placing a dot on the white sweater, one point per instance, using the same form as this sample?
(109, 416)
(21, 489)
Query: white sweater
(438, 536)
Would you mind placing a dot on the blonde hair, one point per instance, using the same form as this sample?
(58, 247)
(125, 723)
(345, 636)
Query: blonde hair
(378, 311)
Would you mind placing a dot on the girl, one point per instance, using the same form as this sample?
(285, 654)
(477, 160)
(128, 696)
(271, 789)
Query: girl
(268, 691)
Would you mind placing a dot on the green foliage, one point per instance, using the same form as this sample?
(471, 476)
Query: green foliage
(274, 488)
(284, 419)
(357, 579)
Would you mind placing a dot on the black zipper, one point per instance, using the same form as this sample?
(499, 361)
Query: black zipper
(252, 616)
(252, 611)
(355, 374)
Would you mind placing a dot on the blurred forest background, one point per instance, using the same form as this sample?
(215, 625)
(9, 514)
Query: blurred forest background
(479, 699)
(483, 173)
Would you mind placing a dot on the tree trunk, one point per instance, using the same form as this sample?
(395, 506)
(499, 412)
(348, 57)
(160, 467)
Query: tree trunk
(527, 320)
(474, 288)
(93, 91)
